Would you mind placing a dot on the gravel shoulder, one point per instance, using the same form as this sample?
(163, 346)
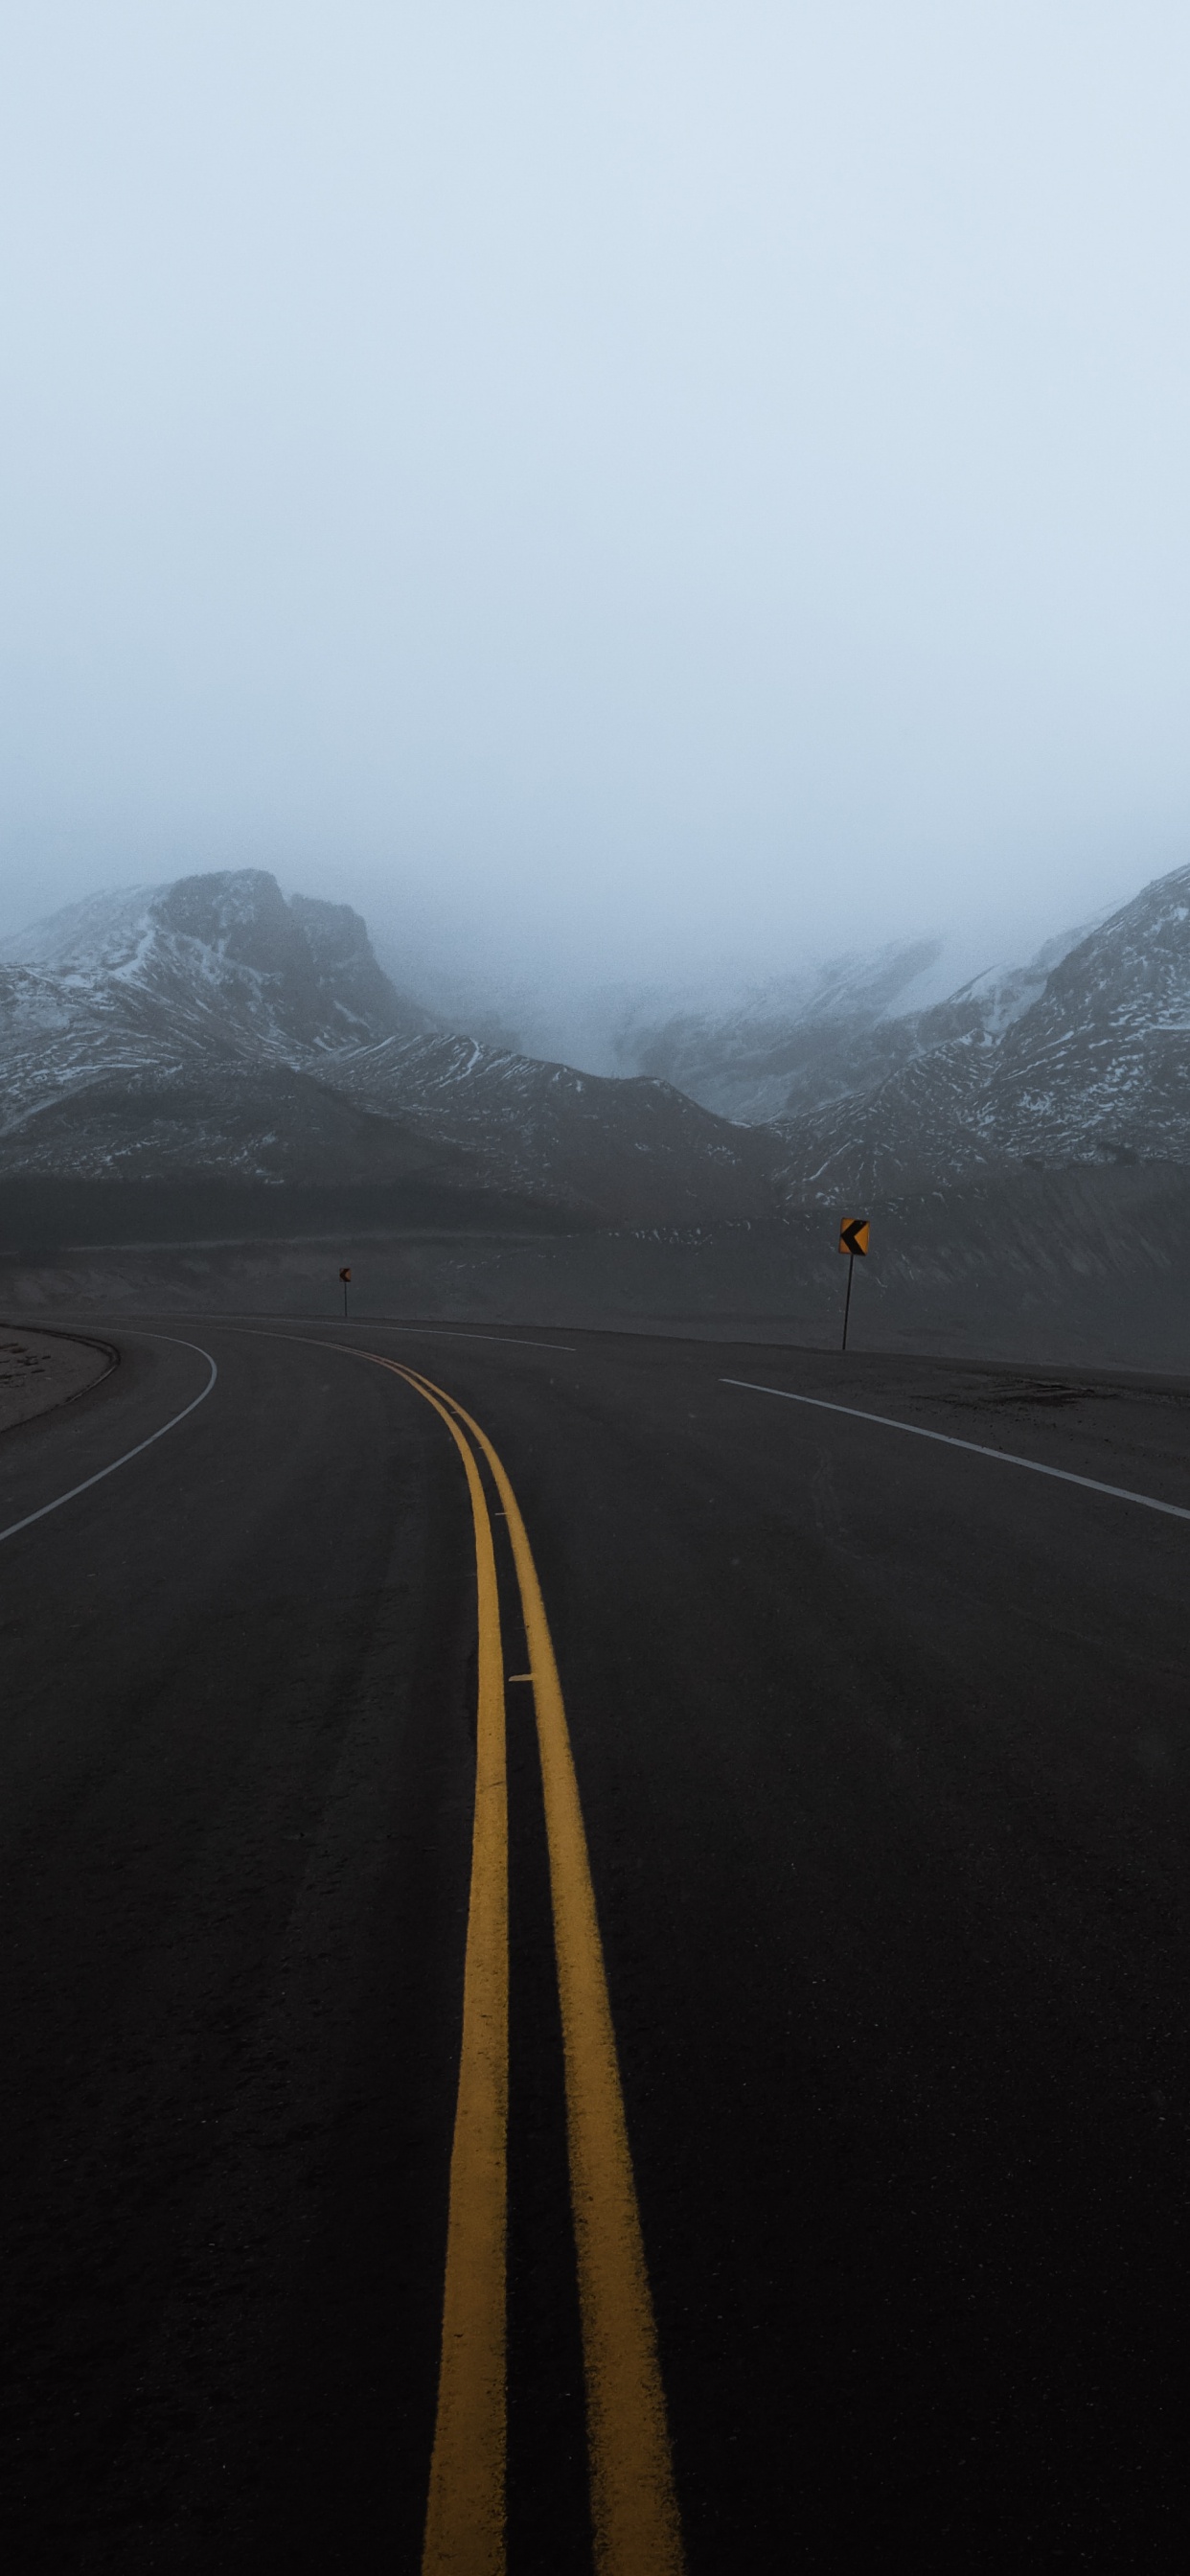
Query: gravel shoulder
(41, 1370)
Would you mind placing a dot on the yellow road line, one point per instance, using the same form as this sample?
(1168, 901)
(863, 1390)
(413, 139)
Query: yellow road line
(465, 2512)
(633, 2503)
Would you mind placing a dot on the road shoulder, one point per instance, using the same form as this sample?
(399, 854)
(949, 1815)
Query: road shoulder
(41, 1370)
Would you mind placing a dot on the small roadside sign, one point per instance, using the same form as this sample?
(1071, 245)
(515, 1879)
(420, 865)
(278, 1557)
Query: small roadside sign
(345, 1276)
(853, 1238)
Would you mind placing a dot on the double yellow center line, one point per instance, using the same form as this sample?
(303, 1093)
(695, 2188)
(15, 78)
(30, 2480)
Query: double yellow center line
(633, 2506)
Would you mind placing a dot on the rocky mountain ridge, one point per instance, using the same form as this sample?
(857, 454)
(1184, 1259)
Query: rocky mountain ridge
(799, 1042)
(1077, 1057)
(210, 1027)
(1095, 1067)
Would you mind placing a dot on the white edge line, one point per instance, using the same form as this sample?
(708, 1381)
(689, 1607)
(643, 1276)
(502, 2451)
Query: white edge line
(1005, 1457)
(98, 1478)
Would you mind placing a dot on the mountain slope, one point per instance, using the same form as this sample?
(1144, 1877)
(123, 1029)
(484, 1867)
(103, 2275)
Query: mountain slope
(625, 1152)
(1094, 1068)
(1100, 1066)
(212, 1028)
(798, 1043)
(216, 966)
(798, 1039)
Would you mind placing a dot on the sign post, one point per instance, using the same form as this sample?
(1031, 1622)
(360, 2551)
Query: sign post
(345, 1276)
(853, 1238)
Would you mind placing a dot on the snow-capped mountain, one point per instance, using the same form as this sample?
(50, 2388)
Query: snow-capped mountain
(211, 1027)
(216, 966)
(794, 1037)
(1082, 1057)
(798, 1043)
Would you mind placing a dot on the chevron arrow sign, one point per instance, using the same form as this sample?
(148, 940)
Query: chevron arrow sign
(853, 1234)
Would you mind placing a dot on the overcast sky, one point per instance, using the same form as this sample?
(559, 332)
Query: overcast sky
(609, 484)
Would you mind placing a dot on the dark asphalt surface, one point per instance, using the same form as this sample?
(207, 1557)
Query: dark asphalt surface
(883, 1751)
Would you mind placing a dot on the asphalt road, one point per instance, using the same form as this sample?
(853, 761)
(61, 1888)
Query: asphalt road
(881, 1746)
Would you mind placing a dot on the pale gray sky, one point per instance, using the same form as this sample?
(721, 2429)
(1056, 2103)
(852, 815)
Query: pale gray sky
(612, 485)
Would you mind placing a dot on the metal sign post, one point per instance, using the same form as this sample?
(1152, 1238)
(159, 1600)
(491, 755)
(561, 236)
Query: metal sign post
(345, 1276)
(853, 1238)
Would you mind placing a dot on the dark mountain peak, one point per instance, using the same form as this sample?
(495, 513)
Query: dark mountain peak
(239, 912)
(318, 981)
(334, 933)
(347, 973)
(210, 1027)
(217, 966)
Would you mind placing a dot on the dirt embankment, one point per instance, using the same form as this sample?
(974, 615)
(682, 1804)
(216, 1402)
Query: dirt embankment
(39, 1370)
(1086, 1266)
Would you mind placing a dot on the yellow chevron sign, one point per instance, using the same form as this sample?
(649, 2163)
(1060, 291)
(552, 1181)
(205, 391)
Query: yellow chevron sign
(853, 1234)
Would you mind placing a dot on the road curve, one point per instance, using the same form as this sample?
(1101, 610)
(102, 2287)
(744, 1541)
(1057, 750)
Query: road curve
(881, 1774)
